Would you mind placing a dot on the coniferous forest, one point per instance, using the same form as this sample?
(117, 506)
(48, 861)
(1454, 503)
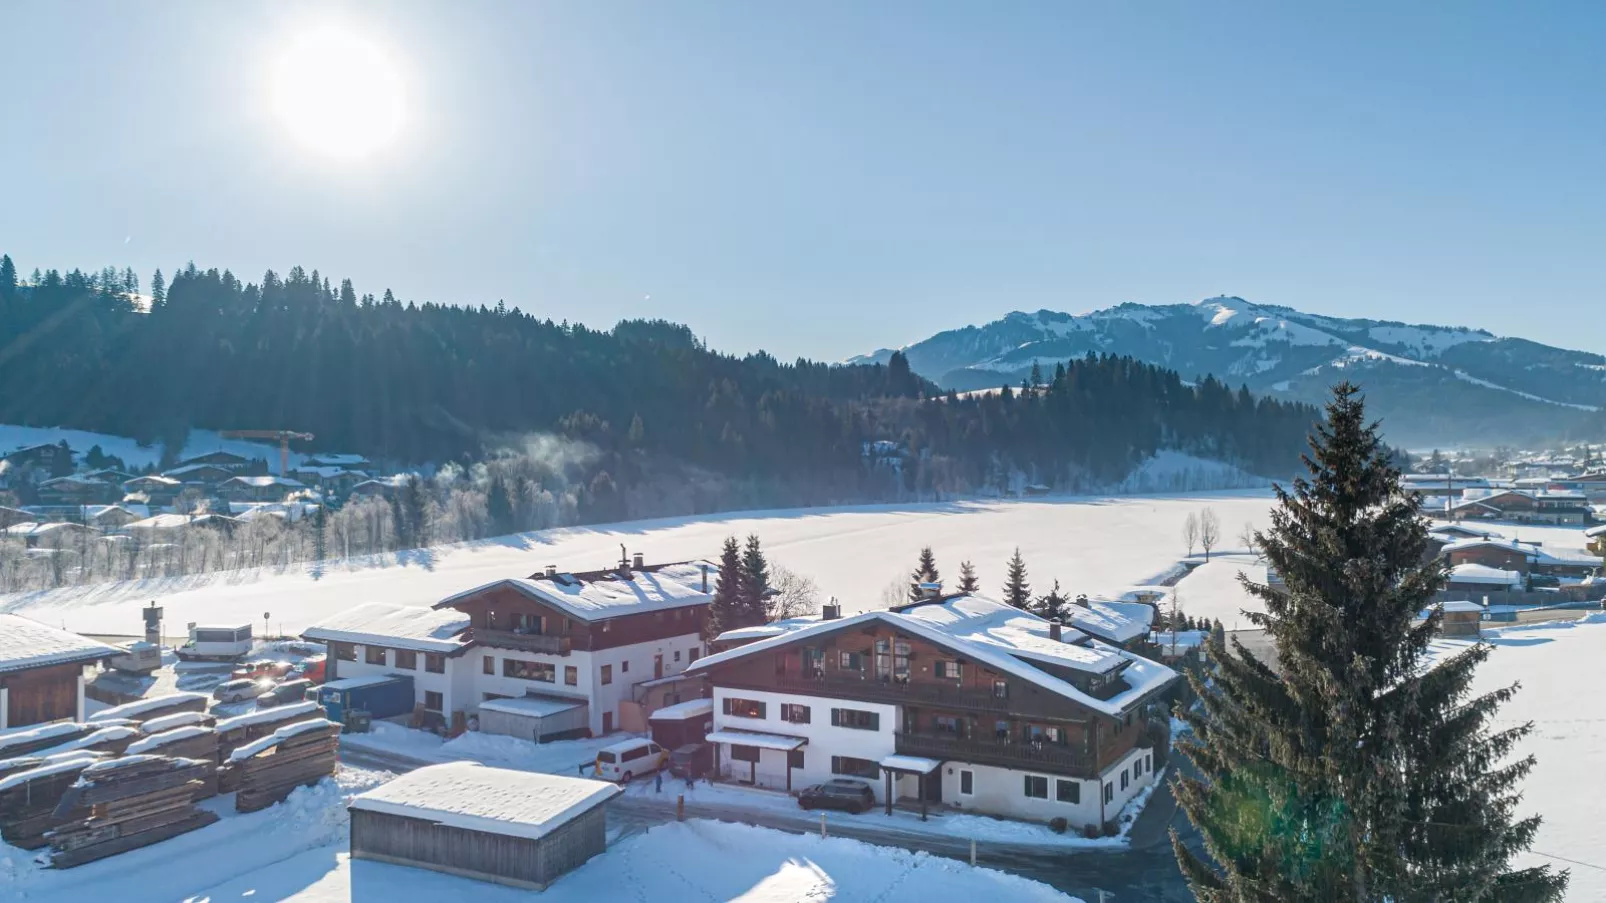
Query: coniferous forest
(414, 383)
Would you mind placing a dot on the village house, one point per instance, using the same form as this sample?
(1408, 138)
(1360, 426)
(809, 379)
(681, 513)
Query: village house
(77, 490)
(381, 487)
(259, 488)
(564, 640)
(221, 459)
(173, 527)
(110, 517)
(959, 700)
(1521, 557)
(1478, 578)
(337, 461)
(1526, 506)
(109, 475)
(201, 476)
(54, 535)
(42, 671)
(334, 482)
(34, 463)
(158, 491)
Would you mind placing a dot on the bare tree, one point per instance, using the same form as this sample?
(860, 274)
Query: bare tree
(1209, 530)
(1247, 537)
(792, 594)
(895, 593)
(1190, 532)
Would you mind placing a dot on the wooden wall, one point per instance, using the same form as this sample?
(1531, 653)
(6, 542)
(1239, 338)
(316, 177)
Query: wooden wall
(498, 608)
(516, 861)
(37, 695)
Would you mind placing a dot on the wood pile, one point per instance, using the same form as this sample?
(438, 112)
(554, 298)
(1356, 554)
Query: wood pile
(32, 740)
(31, 789)
(236, 732)
(133, 802)
(178, 719)
(155, 707)
(269, 769)
(191, 741)
(112, 739)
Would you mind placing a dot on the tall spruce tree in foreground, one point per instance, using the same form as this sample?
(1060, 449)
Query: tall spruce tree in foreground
(1017, 591)
(1358, 772)
(726, 611)
(967, 578)
(924, 572)
(755, 583)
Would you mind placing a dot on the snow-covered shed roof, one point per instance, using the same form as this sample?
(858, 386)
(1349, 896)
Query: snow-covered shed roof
(152, 478)
(260, 482)
(395, 626)
(474, 797)
(531, 706)
(1593, 532)
(1482, 573)
(1460, 607)
(26, 643)
(911, 764)
(682, 711)
(599, 595)
(1105, 621)
(756, 738)
(1140, 612)
(355, 683)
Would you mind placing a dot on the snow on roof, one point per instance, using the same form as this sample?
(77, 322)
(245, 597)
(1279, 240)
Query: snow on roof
(177, 719)
(397, 626)
(354, 683)
(26, 643)
(682, 711)
(474, 797)
(265, 481)
(140, 706)
(179, 521)
(340, 459)
(1480, 573)
(606, 594)
(188, 469)
(61, 765)
(1106, 622)
(159, 740)
(154, 478)
(773, 628)
(262, 744)
(1458, 606)
(755, 738)
(1593, 532)
(71, 479)
(1141, 613)
(537, 706)
(914, 764)
(267, 716)
(327, 471)
(977, 619)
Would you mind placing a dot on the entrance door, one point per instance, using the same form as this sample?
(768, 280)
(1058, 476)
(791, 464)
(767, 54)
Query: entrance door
(607, 722)
(934, 786)
(658, 666)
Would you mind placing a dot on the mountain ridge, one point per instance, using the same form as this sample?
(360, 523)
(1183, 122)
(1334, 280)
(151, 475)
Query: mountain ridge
(1431, 382)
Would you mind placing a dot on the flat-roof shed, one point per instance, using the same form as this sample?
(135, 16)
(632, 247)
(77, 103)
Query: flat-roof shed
(535, 717)
(517, 828)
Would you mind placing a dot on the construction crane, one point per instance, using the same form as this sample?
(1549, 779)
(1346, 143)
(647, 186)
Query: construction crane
(284, 437)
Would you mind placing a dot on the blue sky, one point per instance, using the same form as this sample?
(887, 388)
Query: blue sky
(824, 178)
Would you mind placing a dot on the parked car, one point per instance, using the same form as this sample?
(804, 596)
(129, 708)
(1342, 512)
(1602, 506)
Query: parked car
(241, 689)
(838, 793)
(289, 691)
(269, 669)
(312, 669)
(1544, 581)
(691, 761)
(623, 761)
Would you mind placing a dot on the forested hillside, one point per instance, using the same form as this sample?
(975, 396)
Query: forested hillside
(415, 383)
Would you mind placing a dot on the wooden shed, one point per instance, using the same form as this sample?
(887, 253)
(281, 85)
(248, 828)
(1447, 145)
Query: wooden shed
(42, 671)
(1461, 619)
(517, 828)
(539, 718)
(677, 725)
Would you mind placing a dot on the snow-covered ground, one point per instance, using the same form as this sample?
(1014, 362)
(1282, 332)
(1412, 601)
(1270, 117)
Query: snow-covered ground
(560, 757)
(133, 454)
(1092, 545)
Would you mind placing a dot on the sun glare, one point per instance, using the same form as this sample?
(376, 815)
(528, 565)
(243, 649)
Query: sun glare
(338, 94)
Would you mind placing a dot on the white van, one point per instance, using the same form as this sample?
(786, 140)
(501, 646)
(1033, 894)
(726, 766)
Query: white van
(623, 761)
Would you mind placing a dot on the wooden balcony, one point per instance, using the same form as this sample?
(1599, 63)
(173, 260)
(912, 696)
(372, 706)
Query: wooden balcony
(523, 642)
(987, 751)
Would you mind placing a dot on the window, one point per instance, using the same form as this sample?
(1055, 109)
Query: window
(571, 675)
(741, 753)
(374, 655)
(813, 662)
(950, 725)
(434, 664)
(1123, 779)
(489, 666)
(967, 782)
(856, 719)
(794, 758)
(433, 701)
(855, 768)
(1068, 791)
(797, 714)
(677, 655)
(607, 674)
(950, 671)
(624, 667)
(1037, 787)
(852, 661)
(346, 652)
(743, 708)
(1000, 689)
(692, 655)
(406, 659)
(1001, 731)
(1109, 793)
(1148, 765)
(523, 670)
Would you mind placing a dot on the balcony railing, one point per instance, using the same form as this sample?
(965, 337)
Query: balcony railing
(523, 642)
(1004, 754)
(894, 692)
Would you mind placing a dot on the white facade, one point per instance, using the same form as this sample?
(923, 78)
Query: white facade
(825, 740)
(456, 692)
(1003, 791)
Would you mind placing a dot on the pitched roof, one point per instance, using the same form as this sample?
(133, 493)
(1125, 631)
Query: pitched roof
(26, 643)
(394, 626)
(1481, 573)
(264, 481)
(599, 595)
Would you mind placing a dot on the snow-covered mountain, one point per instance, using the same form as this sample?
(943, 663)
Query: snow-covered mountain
(1430, 383)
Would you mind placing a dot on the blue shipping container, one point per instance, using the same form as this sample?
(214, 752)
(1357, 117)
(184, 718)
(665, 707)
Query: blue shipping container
(380, 696)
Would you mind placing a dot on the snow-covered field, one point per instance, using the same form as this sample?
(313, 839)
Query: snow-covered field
(1092, 545)
(132, 453)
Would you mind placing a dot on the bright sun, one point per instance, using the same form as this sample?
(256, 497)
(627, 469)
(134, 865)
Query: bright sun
(338, 94)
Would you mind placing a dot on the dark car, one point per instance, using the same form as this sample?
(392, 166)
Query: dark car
(1544, 581)
(838, 793)
(289, 691)
(691, 761)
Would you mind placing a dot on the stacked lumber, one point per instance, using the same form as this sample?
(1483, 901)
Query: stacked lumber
(26, 742)
(269, 769)
(236, 732)
(190, 741)
(30, 790)
(177, 719)
(133, 802)
(143, 710)
(113, 739)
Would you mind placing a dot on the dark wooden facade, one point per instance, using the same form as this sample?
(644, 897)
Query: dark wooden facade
(515, 861)
(39, 695)
(509, 618)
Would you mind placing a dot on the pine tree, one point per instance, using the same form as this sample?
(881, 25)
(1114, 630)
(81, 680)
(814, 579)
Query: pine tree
(725, 609)
(1017, 591)
(320, 538)
(967, 578)
(8, 280)
(924, 572)
(415, 499)
(755, 582)
(1356, 772)
(1052, 606)
(499, 507)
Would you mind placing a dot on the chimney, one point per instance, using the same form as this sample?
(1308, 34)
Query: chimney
(1081, 599)
(636, 561)
(831, 611)
(1054, 631)
(930, 589)
(705, 578)
(551, 570)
